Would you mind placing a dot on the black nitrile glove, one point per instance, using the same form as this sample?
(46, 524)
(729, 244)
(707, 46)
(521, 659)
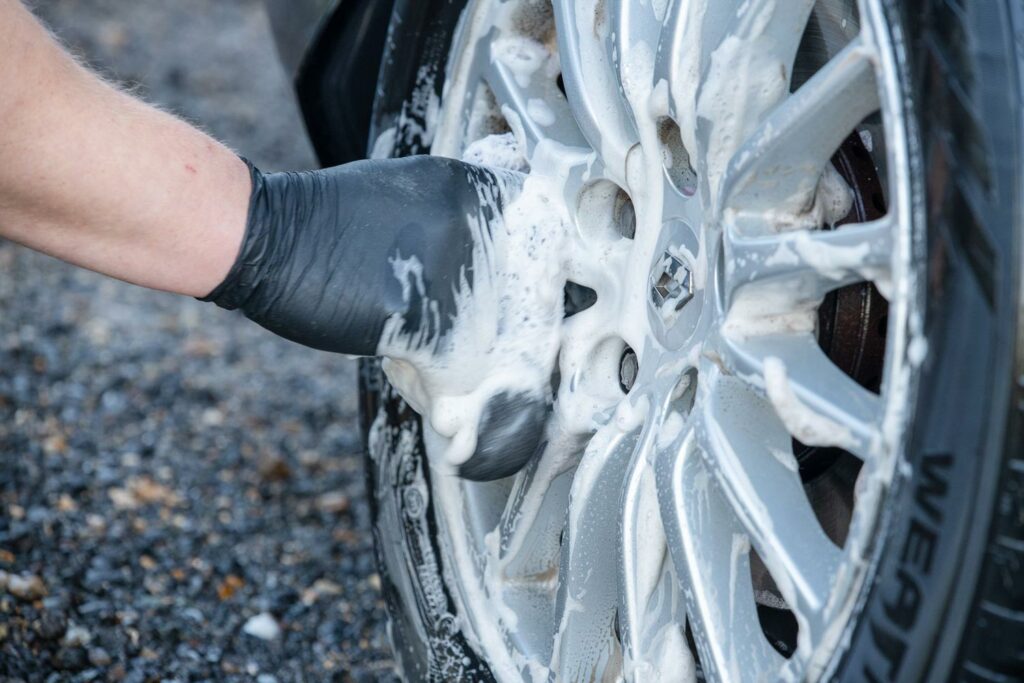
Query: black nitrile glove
(316, 266)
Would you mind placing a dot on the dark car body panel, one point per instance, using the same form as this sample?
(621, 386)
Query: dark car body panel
(332, 50)
(296, 24)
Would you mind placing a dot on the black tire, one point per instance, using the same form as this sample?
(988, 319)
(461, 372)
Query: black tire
(960, 616)
(947, 598)
(425, 633)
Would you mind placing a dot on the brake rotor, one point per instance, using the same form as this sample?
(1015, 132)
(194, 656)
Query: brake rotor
(851, 320)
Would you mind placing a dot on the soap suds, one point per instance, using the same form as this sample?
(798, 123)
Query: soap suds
(539, 111)
(523, 57)
(770, 310)
(917, 350)
(384, 145)
(670, 430)
(498, 151)
(806, 425)
(742, 83)
(417, 120)
(831, 261)
(733, 77)
(506, 331)
(867, 140)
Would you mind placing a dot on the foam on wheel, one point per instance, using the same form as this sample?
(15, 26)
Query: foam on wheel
(944, 554)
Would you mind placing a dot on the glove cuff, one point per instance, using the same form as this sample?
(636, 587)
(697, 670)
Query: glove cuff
(245, 275)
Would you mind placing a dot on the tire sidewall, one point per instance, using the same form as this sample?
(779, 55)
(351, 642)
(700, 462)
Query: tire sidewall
(429, 640)
(934, 538)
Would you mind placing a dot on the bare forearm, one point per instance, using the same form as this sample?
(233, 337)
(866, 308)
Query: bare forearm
(95, 177)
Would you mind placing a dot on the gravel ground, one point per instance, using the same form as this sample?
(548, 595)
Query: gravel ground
(181, 493)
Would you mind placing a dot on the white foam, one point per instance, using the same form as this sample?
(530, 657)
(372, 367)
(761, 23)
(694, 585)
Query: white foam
(739, 89)
(506, 331)
(801, 421)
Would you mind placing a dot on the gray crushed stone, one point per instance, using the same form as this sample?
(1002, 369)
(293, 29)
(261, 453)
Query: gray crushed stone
(169, 472)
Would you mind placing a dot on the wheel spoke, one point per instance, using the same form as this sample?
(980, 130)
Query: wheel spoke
(628, 38)
(779, 166)
(591, 85)
(585, 643)
(693, 31)
(807, 264)
(747, 76)
(647, 600)
(782, 30)
(750, 453)
(819, 403)
(710, 551)
(682, 52)
(533, 518)
(542, 111)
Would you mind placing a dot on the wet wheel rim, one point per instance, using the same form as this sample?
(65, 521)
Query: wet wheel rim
(678, 508)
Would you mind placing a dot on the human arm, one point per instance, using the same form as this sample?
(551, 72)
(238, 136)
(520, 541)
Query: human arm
(93, 176)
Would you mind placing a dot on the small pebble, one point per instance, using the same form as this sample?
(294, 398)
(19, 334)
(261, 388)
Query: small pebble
(319, 589)
(71, 659)
(76, 636)
(262, 626)
(99, 657)
(23, 586)
(333, 501)
(51, 625)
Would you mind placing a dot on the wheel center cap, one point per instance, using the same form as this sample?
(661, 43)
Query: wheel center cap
(671, 286)
(675, 297)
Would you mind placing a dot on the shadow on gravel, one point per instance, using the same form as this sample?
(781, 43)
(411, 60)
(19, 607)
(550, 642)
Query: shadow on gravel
(181, 494)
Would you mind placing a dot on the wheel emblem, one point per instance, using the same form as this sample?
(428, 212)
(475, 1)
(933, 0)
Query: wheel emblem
(671, 286)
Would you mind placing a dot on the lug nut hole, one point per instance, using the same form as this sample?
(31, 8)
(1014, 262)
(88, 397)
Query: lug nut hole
(629, 368)
(606, 212)
(676, 158)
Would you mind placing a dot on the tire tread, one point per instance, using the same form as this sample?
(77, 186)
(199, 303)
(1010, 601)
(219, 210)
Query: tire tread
(994, 641)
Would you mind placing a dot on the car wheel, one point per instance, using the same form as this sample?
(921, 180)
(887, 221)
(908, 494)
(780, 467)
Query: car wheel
(785, 440)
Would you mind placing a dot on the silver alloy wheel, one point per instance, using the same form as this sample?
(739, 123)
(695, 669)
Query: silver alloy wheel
(684, 155)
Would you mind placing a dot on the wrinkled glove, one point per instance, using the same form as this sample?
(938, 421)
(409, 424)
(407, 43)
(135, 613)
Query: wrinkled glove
(322, 264)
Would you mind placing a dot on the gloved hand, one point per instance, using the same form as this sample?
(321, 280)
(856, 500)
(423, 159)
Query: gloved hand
(338, 259)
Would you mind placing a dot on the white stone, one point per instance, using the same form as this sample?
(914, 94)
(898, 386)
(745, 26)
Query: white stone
(262, 626)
